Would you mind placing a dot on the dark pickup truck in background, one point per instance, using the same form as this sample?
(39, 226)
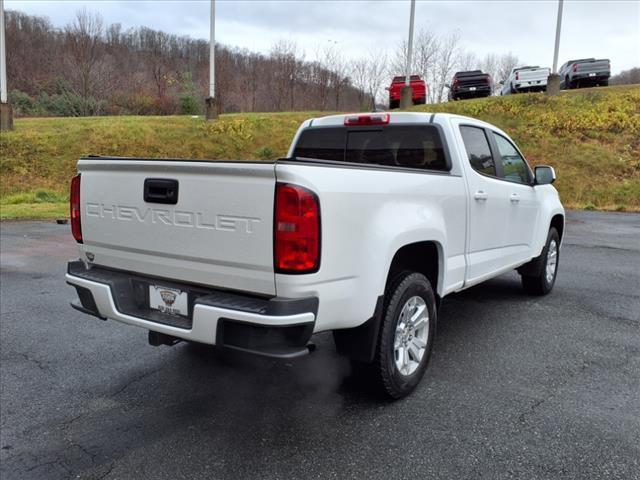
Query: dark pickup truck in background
(471, 84)
(418, 90)
(586, 72)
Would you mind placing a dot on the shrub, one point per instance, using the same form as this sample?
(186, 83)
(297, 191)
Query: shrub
(189, 104)
(265, 153)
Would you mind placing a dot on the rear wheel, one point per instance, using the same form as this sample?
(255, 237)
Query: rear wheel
(406, 334)
(546, 268)
(394, 104)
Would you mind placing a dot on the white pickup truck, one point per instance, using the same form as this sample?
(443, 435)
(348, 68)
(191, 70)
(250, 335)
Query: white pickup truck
(525, 79)
(362, 230)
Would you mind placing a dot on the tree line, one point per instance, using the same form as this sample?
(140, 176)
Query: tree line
(89, 68)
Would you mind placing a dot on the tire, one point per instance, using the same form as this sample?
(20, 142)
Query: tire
(393, 104)
(542, 283)
(604, 83)
(405, 296)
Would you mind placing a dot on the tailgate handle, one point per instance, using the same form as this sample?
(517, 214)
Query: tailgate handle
(161, 190)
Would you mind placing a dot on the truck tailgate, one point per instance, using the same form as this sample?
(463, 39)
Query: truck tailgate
(533, 74)
(217, 231)
(592, 66)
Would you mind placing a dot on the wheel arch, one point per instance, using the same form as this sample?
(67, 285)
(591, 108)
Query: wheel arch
(425, 257)
(360, 343)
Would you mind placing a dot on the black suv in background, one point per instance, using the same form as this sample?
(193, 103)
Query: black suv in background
(586, 72)
(471, 84)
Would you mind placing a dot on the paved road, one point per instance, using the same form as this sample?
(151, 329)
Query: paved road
(519, 387)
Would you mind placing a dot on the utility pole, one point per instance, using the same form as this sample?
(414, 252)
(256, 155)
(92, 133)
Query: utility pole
(553, 82)
(6, 115)
(406, 94)
(211, 101)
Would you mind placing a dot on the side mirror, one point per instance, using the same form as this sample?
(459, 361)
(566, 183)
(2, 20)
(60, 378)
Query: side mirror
(545, 175)
(447, 85)
(386, 88)
(501, 82)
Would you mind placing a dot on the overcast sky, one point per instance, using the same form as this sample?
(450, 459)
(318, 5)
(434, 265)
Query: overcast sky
(590, 28)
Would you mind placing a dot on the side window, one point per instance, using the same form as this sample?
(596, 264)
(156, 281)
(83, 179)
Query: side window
(514, 167)
(477, 145)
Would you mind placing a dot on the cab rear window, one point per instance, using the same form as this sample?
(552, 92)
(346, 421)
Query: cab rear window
(406, 146)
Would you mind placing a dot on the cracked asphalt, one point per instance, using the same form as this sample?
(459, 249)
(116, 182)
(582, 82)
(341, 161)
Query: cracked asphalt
(518, 386)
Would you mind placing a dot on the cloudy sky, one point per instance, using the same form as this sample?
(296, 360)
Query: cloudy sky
(590, 28)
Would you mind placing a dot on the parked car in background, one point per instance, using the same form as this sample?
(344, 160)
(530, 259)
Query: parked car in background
(525, 79)
(470, 84)
(362, 230)
(586, 72)
(418, 87)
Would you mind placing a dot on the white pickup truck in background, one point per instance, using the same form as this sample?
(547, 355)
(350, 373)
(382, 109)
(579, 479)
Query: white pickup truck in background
(525, 79)
(362, 230)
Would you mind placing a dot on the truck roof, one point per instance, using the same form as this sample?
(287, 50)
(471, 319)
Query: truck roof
(402, 77)
(394, 118)
(469, 73)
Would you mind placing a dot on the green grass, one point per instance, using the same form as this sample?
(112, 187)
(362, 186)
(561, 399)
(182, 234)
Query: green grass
(34, 211)
(591, 137)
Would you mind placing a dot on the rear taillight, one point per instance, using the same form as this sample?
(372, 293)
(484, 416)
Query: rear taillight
(517, 76)
(375, 119)
(297, 230)
(574, 67)
(74, 208)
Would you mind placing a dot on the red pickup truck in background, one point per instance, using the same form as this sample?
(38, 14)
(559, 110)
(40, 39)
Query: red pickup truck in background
(418, 86)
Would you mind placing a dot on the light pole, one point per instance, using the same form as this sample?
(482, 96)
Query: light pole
(6, 115)
(406, 94)
(211, 102)
(553, 82)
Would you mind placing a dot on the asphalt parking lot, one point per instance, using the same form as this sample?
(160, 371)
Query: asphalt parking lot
(518, 386)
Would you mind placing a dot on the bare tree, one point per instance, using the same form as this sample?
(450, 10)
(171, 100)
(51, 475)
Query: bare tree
(445, 64)
(467, 61)
(284, 57)
(83, 41)
(491, 64)
(359, 74)
(626, 77)
(377, 66)
(506, 63)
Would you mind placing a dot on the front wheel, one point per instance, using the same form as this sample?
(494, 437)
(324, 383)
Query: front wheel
(547, 269)
(406, 334)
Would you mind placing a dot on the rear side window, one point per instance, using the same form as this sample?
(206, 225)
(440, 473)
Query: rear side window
(477, 146)
(321, 143)
(405, 146)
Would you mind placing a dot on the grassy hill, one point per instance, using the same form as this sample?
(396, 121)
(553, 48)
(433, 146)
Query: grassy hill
(591, 137)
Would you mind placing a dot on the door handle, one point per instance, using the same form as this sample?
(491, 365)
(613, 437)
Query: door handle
(515, 198)
(480, 195)
(161, 190)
